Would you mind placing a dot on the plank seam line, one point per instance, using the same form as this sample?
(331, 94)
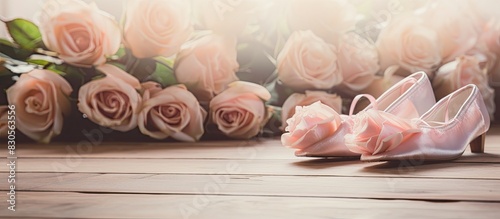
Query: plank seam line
(281, 196)
(257, 175)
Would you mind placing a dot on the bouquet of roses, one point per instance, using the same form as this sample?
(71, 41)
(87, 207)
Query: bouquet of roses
(191, 69)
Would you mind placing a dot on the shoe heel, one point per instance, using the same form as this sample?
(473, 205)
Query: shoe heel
(477, 145)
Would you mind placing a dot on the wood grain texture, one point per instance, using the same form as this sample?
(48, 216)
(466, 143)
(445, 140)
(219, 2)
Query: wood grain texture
(259, 185)
(254, 150)
(81, 205)
(292, 167)
(245, 179)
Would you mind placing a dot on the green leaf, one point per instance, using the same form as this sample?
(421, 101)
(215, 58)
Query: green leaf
(38, 62)
(55, 68)
(279, 93)
(272, 127)
(119, 54)
(25, 33)
(13, 51)
(118, 64)
(140, 68)
(72, 74)
(254, 63)
(166, 61)
(164, 75)
(99, 76)
(143, 69)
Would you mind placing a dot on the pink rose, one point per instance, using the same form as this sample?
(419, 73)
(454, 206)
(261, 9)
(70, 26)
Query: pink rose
(328, 19)
(457, 28)
(41, 100)
(207, 65)
(112, 101)
(82, 34)
(173, 111)
(358, 61)
(288, 110)
(490, 35)
(309, 125)
(375, 131)
(308, 62)
(239, 111)
(488, 49)
(3, 121)
(156, 27)
(411, 44)
(463, 71)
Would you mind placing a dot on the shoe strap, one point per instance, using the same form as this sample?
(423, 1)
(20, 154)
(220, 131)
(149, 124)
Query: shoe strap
(446, 112)
(372, 100)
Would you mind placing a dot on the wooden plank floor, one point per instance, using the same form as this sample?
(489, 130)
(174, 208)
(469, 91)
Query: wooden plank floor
(243, 179)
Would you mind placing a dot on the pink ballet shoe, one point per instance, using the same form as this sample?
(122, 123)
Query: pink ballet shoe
(409, 98)
(442, 133)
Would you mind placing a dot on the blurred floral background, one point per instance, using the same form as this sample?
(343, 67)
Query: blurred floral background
(227, 69)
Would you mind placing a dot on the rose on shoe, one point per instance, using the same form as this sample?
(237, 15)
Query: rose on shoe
(376, 131)
(309, 97)
(309, 125)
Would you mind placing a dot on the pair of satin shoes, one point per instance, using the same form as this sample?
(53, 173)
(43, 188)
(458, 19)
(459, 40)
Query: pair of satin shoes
(405, 122)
